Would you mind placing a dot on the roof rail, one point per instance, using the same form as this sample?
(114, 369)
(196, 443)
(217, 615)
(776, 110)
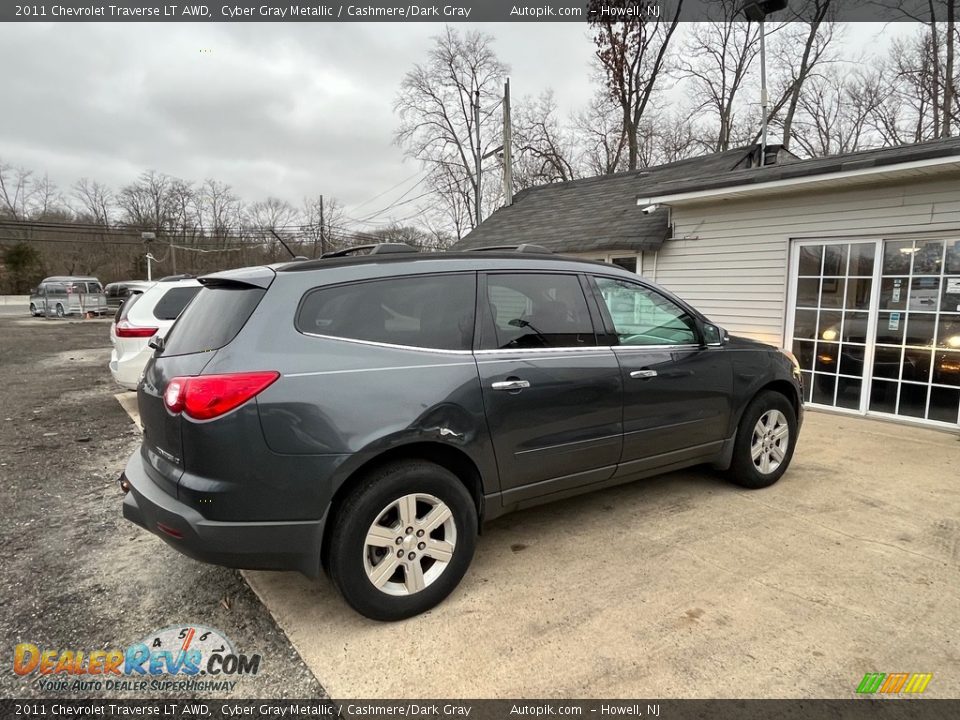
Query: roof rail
(375, 249)
(522, 248)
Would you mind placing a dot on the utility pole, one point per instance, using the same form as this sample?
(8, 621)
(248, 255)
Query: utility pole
(323, 233)
(507, 147)
(478, 157)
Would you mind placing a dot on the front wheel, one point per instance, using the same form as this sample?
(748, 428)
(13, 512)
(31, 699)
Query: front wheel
(60, 312)
(765, 441)
(33, 310)
(402, 540)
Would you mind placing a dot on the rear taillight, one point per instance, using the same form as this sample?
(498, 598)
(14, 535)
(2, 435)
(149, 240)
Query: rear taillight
(125, 329)
(205, 397)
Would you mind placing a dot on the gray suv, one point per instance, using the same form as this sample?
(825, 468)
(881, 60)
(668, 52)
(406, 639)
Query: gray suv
(366, 413)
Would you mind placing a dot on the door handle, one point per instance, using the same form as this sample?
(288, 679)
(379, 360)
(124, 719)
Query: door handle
(510, 385)
(643, 374)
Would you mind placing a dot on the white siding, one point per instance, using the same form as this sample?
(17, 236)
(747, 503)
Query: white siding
(735, 270)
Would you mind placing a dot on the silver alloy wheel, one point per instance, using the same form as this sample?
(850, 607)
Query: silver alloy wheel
(771, 439)
(60, 312)
(410, 544)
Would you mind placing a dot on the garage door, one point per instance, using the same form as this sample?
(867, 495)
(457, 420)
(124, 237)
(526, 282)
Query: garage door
(875, 325)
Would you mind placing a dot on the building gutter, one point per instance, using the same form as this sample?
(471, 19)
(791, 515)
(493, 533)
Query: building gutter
(775, 186)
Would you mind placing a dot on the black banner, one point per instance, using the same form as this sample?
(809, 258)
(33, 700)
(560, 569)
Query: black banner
(454, 11)
(854, 709)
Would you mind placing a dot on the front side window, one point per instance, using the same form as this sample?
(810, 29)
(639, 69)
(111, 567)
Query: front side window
(537, 310)
(425, 311)
(642, 316)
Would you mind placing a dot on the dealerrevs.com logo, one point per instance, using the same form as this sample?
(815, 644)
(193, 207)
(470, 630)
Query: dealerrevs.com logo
(189, 658)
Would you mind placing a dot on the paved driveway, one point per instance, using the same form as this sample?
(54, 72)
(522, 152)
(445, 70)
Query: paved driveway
(683, 586)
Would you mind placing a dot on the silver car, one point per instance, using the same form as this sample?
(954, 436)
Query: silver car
(63, 295)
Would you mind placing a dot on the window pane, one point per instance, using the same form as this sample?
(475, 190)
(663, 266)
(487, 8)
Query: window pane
(893, 293)
(805, 324)
(848, 393)
(642, 316)
(423, 311)
(823, 387)
(920, 329)
(916, 365)
(803, 349)
(883, 396)
(952, 264)
(946, 368)
(886, 362)
(829, 328)
(835, 260)
(537, 311)
(627, 263)
(924, 292)
(855, 327)
(858, 294)
(173, 302)
(808, 292)
(851, 360)
(810, 259)
(861, 259)
(948, 332)
(950, 301)
(828, 355)
(807, 385)
(928, 258)
(913, 400)
(831, 292)
(944, 404)
(890, 327)
(896, 257)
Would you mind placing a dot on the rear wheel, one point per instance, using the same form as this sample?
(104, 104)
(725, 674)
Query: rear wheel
(765, 441)
(402, 540)
(60, 312)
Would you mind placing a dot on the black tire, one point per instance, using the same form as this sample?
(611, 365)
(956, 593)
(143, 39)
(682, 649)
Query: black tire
(33, 310)
(60, 312)
(744, 470)
(357, 513)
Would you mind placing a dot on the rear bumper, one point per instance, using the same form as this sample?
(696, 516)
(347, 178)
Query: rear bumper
(293, 545)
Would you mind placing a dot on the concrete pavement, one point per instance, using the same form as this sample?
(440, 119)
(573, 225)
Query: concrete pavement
(682, 586)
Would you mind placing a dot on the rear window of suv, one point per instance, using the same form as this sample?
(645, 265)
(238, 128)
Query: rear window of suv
(173, 302)
(424, 311)
(213, 319)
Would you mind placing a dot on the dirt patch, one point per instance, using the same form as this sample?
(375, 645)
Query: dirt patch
(75, 574)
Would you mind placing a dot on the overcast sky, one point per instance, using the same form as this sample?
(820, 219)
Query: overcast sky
(272, 109)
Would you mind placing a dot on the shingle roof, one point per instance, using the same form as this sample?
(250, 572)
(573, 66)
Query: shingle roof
(601, 213)
(598, 213)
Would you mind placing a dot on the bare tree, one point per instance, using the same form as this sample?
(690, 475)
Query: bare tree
(322, 217)
(95, 200)
(437, 123)
(544, 148)
(219, 208)
(632, 55)
(148, 202)
(16, 191)
(717, 58)
(599, 129)
(834, 110)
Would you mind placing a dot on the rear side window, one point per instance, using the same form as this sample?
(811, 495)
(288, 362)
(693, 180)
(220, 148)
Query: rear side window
(173, 302)
(213, 319)
(432, 311)
(537, 311)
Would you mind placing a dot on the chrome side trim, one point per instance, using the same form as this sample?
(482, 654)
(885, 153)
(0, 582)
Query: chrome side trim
(379, 369)
(374, 343)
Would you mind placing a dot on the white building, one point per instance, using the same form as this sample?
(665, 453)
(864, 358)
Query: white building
(851, 261)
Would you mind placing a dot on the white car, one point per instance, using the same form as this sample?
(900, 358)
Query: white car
(140, 319)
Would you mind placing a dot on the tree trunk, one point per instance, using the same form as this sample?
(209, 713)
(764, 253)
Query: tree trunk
(948, 71)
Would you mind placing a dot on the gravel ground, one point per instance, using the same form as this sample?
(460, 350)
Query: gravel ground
(76, 575)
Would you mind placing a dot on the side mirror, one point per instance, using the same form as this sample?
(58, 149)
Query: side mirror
(714, 334)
